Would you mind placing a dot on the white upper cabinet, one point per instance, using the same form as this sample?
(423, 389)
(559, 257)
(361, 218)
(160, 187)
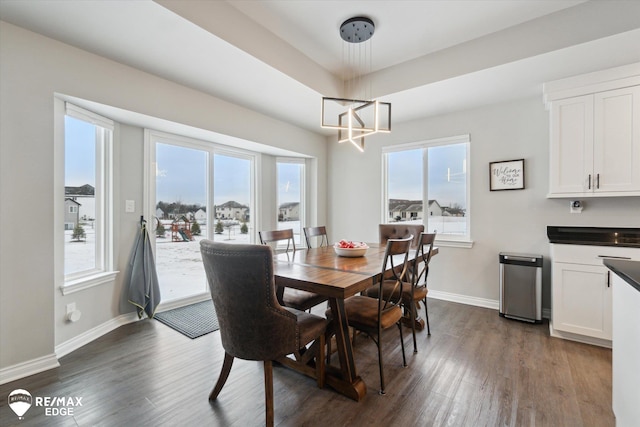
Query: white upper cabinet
(616, 140)
(595, 134)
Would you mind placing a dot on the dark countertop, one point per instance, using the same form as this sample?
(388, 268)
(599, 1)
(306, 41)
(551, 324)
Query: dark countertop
(597, 236)
(627, 270)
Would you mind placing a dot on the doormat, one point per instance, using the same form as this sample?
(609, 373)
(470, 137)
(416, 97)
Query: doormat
(194, 320)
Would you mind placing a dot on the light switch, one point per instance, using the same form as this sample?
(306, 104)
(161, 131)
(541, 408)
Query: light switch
(130, 206)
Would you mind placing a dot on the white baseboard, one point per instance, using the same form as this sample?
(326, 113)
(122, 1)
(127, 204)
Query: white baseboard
(183, 301)
(30, 367)
(464, 299)
(478, 302)
(41, 364)
(95, 333)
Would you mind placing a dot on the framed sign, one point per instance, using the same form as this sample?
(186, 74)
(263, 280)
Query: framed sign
(506, 175)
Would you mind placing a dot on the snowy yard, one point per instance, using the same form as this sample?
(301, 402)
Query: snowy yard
(179, 264)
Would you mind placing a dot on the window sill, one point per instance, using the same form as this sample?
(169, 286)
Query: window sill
(87, 282)
(466, 244)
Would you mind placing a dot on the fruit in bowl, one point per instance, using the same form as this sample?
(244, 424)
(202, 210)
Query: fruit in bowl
(349, 248)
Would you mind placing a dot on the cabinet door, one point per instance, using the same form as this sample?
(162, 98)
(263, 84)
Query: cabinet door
(571, 150)
(581, 300)
(617, 140)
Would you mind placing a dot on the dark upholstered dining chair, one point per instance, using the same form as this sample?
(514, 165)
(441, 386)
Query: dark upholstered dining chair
(253, 325)
(400, 230)
(373, 315)
(320, 232)
(296, 298)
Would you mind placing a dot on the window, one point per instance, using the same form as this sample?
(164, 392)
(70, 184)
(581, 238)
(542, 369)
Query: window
(428, 183)
(232, 196)
(88, 140)
(291, 207)
(197, 190)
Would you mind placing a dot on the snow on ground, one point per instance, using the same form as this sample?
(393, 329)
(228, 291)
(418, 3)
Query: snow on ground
(179, 264)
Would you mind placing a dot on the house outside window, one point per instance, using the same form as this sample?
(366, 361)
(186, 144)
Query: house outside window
(428, 183)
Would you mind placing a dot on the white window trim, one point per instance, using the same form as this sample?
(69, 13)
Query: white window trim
(441, 240)
(104, 272)
(81, 284)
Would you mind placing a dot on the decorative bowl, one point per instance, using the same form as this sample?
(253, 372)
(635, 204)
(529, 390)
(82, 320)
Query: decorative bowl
(357, 251)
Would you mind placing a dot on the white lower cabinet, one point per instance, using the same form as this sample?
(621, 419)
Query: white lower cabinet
(582, 299)
(581, 292)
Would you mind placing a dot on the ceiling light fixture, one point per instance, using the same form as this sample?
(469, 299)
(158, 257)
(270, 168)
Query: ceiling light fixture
(356, 118)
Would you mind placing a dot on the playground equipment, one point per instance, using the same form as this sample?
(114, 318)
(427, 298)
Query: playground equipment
(181, 230)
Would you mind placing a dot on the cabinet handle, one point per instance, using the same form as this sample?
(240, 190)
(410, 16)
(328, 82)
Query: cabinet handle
(608, 279)
(589, 181)
(614, 257)
(598, 181)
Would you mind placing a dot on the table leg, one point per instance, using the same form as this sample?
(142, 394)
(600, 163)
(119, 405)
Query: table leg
(419, 323)
(348, 382)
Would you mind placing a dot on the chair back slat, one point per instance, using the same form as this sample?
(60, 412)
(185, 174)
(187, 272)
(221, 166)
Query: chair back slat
(395, 260)
(423, 257)
(400, 230)
(275, 236)
(320, 231)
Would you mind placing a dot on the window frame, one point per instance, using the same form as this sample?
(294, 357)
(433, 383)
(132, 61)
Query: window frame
(106, 135)
(151, 137)
(441, 238)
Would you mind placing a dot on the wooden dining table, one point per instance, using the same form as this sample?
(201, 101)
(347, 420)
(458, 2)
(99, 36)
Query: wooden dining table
(322, 271)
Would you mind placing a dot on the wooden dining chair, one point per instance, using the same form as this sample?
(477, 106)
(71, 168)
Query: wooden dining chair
(253, 325)
(277, 236)
(415, 289)
(296, 298)
(320, 232)
(421, 266)
(373, 315)
(400, 230)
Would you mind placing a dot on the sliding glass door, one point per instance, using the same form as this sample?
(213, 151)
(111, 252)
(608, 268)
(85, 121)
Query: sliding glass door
(181, 200)
(196, 190)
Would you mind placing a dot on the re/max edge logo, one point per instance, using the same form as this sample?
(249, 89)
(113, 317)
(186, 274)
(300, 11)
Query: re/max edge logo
(21, 400)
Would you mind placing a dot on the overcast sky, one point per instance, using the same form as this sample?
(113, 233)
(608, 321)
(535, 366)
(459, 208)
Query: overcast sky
(181, 172)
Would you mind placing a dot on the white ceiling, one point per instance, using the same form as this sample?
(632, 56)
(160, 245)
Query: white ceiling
(281, 57)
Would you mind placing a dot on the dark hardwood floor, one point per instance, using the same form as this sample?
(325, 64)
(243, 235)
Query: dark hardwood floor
(476, 369)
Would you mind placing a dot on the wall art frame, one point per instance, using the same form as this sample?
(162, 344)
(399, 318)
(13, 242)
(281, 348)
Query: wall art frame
(506, 175)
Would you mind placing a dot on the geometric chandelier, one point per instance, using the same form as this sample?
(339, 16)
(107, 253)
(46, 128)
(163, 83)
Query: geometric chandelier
(355, 118)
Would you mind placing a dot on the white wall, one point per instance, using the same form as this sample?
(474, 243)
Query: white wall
(33, 69)
(513, 221)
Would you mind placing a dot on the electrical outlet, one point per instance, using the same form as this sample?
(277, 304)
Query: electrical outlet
(575, 206)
